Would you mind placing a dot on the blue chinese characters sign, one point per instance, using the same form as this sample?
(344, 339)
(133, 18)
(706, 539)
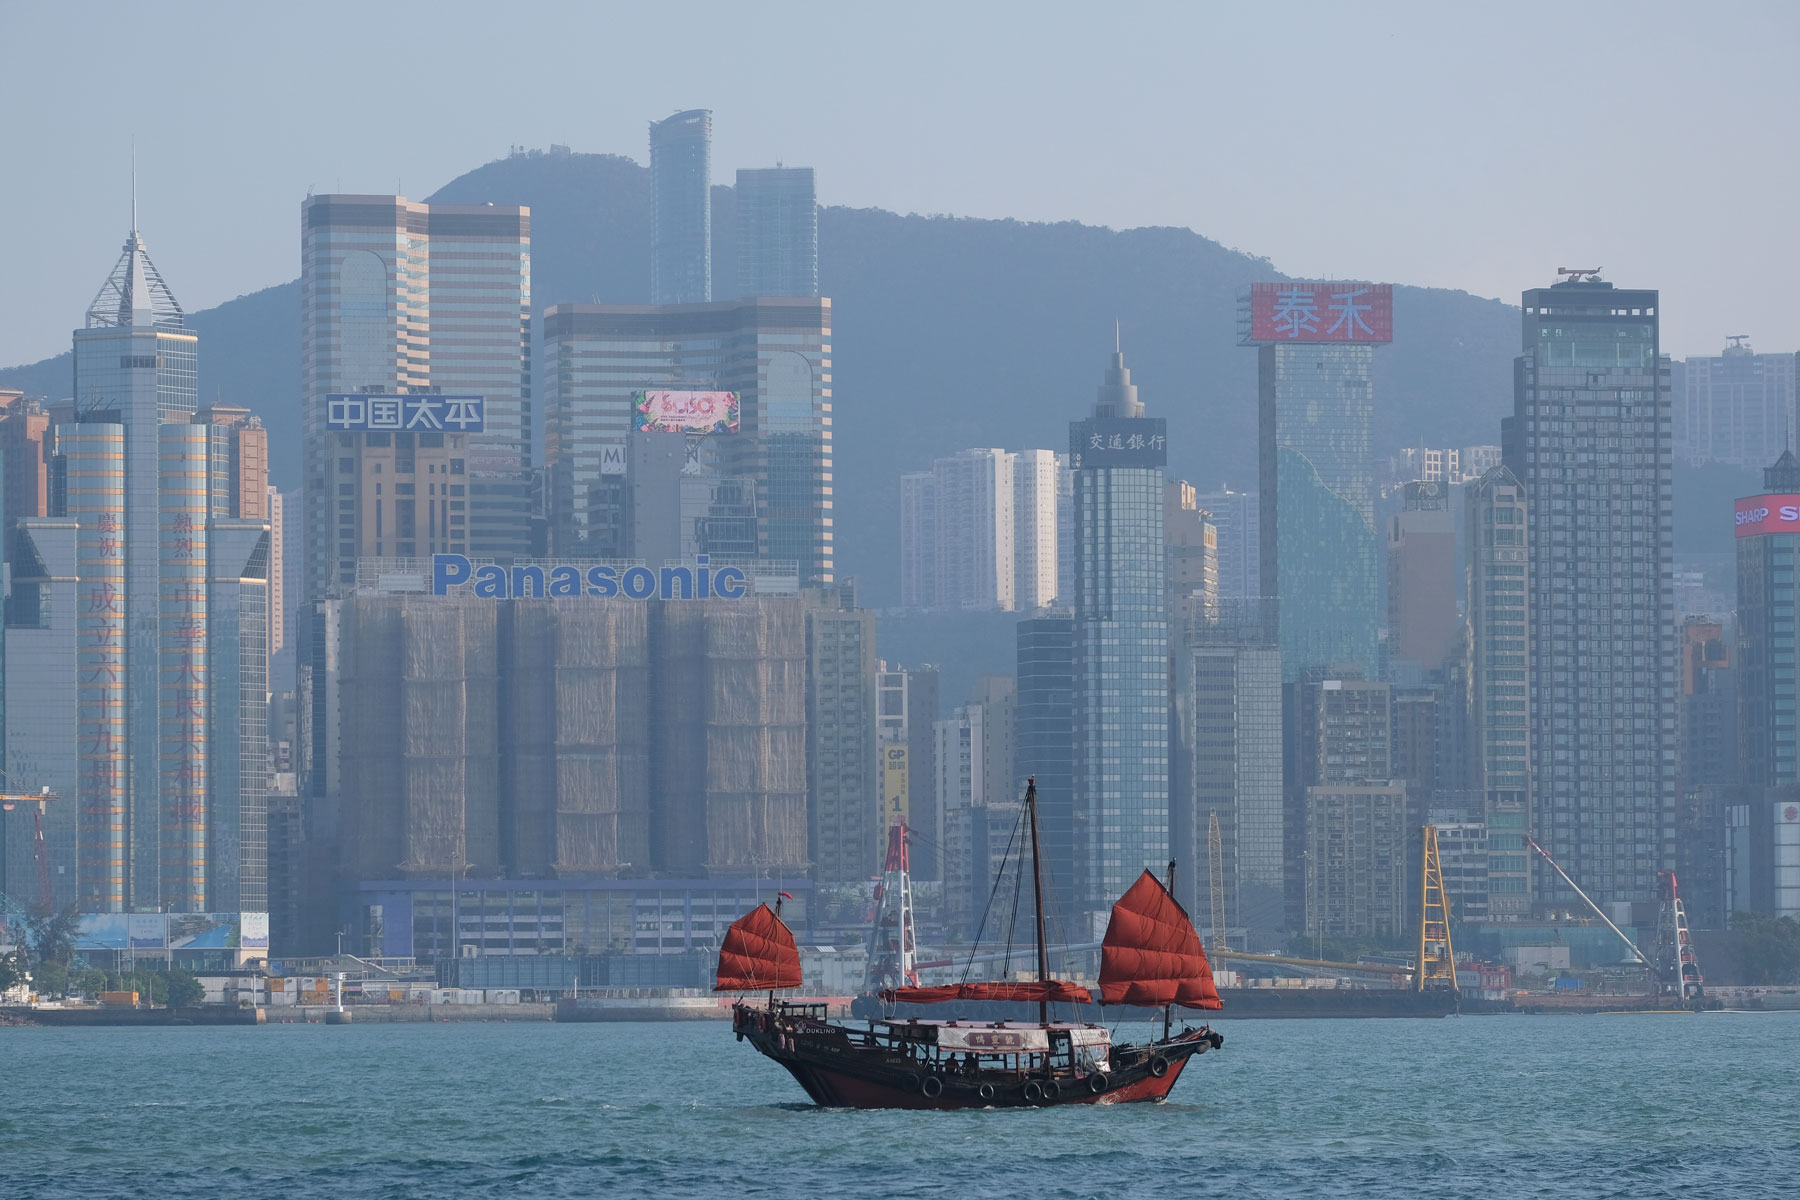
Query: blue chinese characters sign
(422, 413)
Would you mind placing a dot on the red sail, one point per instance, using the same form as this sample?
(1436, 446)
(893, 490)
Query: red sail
(758, 955)
(1151, 955)
(1054, 990)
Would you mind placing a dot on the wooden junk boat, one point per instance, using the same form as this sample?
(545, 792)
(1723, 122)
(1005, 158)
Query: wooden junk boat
(1151, 957)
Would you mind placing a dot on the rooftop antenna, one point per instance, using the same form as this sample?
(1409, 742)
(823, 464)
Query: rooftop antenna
(1116, 349)
(134, 224)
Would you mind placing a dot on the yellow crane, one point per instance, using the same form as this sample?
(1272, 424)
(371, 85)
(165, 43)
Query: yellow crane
(1437, 959)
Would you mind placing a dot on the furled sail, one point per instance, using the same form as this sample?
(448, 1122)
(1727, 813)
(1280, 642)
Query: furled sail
(1056, 991)
(1151, 955)
(758, 955)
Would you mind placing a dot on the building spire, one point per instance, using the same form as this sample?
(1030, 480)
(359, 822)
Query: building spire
(134, 293)
(1118, 395)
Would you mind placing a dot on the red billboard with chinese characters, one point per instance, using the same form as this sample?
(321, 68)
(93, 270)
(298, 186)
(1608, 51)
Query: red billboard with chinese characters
(1768, 514)
(1313, 311)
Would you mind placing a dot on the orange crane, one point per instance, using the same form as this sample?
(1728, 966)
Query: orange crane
(10, 801)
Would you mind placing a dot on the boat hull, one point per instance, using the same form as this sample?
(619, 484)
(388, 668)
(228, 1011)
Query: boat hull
(836, 1072)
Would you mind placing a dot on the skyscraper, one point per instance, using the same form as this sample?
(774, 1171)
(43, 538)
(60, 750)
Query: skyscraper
(399, 297)
(1228, 765)
(769, 468)
(681, 208)
(1768, 667)
(1735, 407)
(1321, 553)
(1237, 517)
(171, 654)
(1043, 747)
(981, 531)
(1589, 441)
(843, 811)
(1034, 537)
(1421, 564)
(777, 232)
(1499, 681)
(1121, 696)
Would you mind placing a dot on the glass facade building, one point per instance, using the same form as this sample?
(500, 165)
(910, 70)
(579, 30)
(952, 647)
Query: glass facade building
(775, 353)
(157, 822)
(1043, 747)
(1320, 548)
(1768, 631)
(777, 232)
(1590, 443)
(681, 208)
(1120, 645)
(399, 297)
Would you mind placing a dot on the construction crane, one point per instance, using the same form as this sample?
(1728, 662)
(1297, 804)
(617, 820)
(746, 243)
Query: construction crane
(1215, 875)
(1636, 954)
(1576, 274)
(1437, 958)
(1677, 968)
(10, 801)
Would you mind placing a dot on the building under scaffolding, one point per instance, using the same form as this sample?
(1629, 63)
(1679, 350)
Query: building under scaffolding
(572, 737)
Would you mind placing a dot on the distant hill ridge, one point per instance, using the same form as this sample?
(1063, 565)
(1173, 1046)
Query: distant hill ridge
(947, 332)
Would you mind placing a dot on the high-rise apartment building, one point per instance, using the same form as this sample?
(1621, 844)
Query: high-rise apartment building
(1421, 565)
(843, 807)
(764, 472)
(1499, 681)
(170, 646)
(681, 208)
(998, 698)
(1355, 814)
(980, 531)
(1236, 515)
(1227, 766)
(24, 432)
(974, 552)
(1036, 475)
(398, 297)
(1120, 649)
(1320, 548)
(1190, 558)
(777, 232)
(1736, 407)
(1589, 441)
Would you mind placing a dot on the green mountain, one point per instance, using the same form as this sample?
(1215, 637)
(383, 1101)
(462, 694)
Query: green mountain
(948, 332)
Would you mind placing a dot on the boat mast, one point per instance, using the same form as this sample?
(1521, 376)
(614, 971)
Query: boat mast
(1037, 896)
(1169, 1009)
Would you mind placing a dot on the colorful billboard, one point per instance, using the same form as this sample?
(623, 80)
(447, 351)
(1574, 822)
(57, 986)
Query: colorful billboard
(894, 777)
(359, 412)
(687, 412)
(1768, 514)
(1342, 311)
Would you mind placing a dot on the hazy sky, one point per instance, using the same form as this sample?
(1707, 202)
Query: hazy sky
(1449, 144)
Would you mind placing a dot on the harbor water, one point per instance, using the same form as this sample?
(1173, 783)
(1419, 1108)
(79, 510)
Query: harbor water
(1629, 1106)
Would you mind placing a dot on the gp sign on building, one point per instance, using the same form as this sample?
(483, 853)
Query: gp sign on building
(1768, 514)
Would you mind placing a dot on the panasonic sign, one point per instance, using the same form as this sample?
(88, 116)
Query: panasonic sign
(701, 581)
